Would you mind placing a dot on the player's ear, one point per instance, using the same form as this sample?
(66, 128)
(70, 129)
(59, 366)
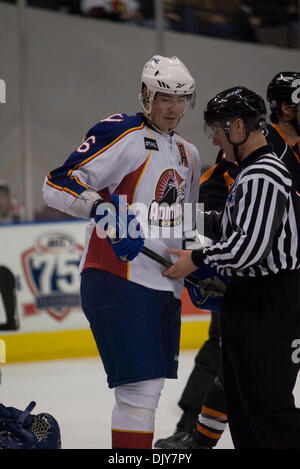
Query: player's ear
(237, 124)
(144, 96)
(144, 92)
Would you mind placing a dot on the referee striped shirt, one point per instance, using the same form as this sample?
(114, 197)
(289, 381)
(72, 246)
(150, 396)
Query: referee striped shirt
(258, 232)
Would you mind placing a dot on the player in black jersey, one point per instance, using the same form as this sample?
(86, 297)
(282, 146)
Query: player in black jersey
(284, 133)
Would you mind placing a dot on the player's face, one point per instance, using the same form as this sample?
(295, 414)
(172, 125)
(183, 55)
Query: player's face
(167, 109)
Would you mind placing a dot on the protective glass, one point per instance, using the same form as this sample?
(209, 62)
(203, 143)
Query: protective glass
(213, 130)
(179, 102)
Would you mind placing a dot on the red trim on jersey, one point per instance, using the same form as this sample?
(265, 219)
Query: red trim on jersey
(131, 440)
(100, 254)
(129, 183)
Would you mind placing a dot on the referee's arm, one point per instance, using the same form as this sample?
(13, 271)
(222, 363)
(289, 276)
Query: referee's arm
(257, 214)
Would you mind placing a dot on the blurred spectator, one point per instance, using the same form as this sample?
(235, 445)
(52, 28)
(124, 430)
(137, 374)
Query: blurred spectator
(182, 15)
(65, 6)
(147, 13)
(232, 19)
(248, 22)
(126, 10)
(243, 20)
(97, 8)
(10, 210)
(270, 12)
(69, 6)
(292, 22)
(116, 10)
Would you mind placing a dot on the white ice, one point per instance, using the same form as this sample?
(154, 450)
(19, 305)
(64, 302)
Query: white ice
(75, 392)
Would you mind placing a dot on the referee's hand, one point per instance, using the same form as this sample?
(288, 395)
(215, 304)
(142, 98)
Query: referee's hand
(183, 266)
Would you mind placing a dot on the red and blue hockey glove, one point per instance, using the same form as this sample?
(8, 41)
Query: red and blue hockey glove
(208, 294)
(120, 225)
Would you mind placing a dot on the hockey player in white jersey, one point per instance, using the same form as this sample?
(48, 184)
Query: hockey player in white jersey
(131, 177)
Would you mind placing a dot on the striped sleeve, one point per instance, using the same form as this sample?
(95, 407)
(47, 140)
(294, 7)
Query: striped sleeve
(250, 227)
(94, 164)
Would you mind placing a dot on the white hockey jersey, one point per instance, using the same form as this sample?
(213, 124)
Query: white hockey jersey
(159, 174)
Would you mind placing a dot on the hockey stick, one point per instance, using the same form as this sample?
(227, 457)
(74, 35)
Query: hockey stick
(158, 258)
(209, 288)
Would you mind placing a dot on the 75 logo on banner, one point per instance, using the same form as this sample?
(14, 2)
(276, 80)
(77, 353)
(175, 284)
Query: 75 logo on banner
(51, 272)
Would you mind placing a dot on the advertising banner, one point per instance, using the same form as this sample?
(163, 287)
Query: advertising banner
(44, 258)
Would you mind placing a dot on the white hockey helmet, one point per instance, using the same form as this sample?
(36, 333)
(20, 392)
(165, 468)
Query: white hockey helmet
(166, 75)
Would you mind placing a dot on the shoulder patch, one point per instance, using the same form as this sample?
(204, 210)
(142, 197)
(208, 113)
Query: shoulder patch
(150, 144)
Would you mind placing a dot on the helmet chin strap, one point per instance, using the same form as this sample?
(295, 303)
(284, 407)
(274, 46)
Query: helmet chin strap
(236, 145)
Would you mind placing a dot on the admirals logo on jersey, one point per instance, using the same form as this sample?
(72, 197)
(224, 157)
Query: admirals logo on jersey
(167, 208)
(51, 271)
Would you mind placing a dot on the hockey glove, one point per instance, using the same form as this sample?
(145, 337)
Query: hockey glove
(22, 430)
(209, 292)
(122, 229)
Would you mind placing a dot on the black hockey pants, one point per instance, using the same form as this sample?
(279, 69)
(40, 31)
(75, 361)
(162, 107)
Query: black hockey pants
(260, 335)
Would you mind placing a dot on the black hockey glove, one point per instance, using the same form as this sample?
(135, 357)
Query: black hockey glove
(208, 294)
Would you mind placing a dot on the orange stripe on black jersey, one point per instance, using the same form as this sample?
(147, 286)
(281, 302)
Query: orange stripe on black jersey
(207, 174)
(228, 180)
(214, 413)
(208, 433)
(282, 135)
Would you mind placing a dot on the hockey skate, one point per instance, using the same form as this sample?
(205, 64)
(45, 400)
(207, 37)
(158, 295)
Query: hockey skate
(179, 440)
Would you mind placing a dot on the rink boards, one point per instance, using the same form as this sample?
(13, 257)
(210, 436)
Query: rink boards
(44, 259)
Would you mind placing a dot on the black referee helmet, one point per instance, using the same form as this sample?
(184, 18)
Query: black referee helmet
(281, 89)
(236, 102)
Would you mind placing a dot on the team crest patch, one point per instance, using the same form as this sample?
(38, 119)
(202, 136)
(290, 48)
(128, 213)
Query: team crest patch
(51, 272)
(150, 144)
(231, 197)
(167, 208)
(183, 157)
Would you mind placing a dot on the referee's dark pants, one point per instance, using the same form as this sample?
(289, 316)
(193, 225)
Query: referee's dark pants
(260, 337)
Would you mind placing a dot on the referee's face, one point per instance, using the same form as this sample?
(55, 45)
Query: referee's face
(220, 139)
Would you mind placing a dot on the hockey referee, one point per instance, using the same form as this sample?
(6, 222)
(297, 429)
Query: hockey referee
(258, 248)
